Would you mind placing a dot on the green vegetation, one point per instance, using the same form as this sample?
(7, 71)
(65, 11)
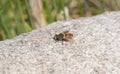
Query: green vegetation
(16, 17)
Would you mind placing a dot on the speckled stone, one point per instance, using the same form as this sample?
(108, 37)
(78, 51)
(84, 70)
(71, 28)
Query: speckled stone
(94, 49)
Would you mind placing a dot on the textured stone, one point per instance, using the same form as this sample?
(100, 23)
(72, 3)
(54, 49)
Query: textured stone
(94, 49)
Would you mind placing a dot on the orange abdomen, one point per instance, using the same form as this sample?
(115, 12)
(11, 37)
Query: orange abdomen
(69, 35)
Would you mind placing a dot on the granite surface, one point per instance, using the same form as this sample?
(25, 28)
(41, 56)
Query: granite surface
(94, 48)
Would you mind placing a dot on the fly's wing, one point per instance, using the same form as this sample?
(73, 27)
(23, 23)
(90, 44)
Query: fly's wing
(65, 40)
(65, 31)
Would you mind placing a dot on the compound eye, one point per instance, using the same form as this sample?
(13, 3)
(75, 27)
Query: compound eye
(55, 37)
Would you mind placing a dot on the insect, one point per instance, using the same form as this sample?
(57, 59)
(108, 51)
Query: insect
(64, 36)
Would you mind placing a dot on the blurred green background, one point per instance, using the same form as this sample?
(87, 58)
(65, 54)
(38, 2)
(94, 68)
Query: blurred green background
(19, 16)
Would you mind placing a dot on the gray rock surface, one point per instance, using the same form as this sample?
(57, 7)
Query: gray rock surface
(94, 49)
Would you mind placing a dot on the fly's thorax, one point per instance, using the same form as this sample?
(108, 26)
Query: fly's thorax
(61, 36)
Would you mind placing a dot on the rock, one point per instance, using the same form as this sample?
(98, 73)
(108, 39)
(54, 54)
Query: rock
(94, 49)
